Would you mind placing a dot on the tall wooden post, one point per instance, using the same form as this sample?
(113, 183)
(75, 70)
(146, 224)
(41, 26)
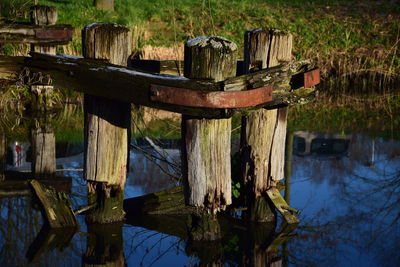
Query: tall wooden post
(106, 5)
(43, 139)
(207, 142)
(107, 127)
(3, 155)
(263, 131)
(43, 151)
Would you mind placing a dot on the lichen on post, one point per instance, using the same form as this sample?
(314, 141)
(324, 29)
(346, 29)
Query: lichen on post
(107, 127)
(43, 151)
(206, 165)
(206, 142)
(263, 131)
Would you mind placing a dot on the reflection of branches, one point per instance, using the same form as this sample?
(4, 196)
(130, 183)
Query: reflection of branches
(150, 240)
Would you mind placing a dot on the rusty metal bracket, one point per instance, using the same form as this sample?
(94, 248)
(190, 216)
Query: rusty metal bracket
(306, 79)
(214, 99)
(61, 34)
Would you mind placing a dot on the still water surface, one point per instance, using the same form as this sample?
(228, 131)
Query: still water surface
(347, 188)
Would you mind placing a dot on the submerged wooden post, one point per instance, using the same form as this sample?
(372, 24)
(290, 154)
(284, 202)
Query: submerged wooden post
(207, 142)
(106, 5)
(264, 131)
(107, 127)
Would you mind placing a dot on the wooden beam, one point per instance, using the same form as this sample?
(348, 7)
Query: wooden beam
(58, 34)
(56, 206)
(99, 78)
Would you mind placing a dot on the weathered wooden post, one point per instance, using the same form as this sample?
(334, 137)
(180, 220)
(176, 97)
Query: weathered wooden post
(3, 155)
(43, 139)
(106, 5)
(264, 131)
(207, 142)
(44, 15)
(43, 151)
(107, 127)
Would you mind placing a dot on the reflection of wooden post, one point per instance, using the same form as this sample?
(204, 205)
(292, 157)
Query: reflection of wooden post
(207, 142)
(3, 155)
(107, 5)
(107, 126)
(44, 15)
(263, 131)
(104, 246)
(43, 152)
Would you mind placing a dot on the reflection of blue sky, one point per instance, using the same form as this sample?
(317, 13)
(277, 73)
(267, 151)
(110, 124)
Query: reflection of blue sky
(349, 206)
(348, 209)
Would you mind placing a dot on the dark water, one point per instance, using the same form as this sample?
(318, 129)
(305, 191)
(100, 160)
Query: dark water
(347, 188)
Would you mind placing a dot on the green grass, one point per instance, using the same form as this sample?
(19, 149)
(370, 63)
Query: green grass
(336, 34)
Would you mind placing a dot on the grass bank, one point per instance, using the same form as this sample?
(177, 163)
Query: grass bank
(348, 39)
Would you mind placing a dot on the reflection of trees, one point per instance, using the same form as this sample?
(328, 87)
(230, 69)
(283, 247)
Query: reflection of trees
(19, 225)
(360, 223)
(149, 175)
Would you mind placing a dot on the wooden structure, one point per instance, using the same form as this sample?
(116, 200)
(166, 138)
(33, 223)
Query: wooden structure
(208, 95)
(107, 127)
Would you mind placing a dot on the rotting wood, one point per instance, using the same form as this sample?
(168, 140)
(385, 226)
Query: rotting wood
(129, 85)
(206, 159)
(3, 155)
(170, 201)
(263, 131)
(107, 127)
(172, 67)
(16, 184)
(288, 213)
(206, 142)
(43, 152)
(56, 206)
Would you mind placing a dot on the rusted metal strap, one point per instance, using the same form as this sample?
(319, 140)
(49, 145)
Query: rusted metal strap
(306, 79)
(60, 34)
(214, 99)
(312, 77)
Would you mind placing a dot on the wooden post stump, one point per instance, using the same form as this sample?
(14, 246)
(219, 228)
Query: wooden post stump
(44, 15)
(3, 155)
(43, 152)
(264, 131)
(207, 142)
(107, 127)
(106, 5)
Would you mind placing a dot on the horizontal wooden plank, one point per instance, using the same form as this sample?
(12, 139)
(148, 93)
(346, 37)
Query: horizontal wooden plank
(97, 77)
(58, 34)
(172, 67)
